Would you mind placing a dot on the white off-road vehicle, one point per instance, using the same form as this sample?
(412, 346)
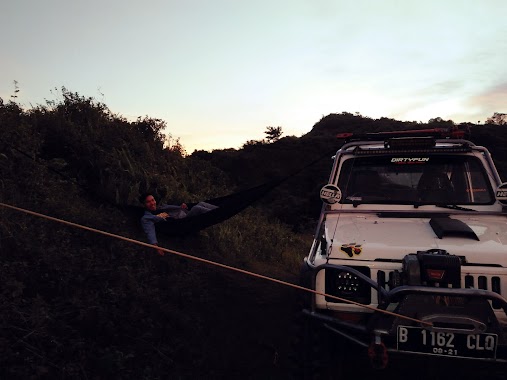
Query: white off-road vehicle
(410, 253)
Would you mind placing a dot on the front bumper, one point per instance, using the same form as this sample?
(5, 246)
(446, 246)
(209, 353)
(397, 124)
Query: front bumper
(459, 313)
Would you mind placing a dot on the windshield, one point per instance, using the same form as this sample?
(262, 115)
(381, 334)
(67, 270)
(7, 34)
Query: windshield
(438, 179)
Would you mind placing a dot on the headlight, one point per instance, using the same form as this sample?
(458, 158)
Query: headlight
(347, 285)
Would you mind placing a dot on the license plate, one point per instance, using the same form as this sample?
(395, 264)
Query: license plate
(419, 340)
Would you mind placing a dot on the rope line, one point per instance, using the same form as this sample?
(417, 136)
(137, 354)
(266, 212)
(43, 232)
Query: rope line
(210, 262)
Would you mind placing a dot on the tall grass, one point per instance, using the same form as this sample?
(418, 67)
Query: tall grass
(252, 236)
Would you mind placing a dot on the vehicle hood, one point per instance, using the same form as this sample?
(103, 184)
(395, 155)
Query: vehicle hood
(370, 237)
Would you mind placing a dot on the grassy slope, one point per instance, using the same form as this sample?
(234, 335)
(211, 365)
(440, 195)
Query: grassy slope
(77, 305)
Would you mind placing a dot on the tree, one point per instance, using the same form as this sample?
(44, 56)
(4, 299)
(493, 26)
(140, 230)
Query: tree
(497, 119)
(273, 133)
(441, 122)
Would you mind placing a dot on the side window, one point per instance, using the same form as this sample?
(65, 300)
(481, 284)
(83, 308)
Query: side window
(460, 182)
(345, 172)
(470, 182)
(479, 189)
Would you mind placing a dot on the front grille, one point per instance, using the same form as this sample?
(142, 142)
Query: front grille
(485, 283)
(491, 283)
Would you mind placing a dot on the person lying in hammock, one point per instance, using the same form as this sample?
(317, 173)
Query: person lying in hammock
(154, 214)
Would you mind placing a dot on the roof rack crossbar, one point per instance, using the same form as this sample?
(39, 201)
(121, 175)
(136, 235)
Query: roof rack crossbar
(453, 132)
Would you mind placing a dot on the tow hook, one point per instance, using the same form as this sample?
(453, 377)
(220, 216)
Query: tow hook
(377, 352)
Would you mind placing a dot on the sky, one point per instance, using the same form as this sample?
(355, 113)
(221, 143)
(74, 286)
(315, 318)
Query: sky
(219, 72)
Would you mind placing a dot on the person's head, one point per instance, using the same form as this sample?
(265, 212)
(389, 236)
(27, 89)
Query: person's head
(148, 202)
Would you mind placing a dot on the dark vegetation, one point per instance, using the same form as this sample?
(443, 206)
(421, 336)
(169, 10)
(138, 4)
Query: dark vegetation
(81, 306)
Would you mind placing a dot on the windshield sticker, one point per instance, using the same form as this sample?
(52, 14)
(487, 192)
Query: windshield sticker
(409, 160)
(351, 249)
(501, 193)
(330, 194)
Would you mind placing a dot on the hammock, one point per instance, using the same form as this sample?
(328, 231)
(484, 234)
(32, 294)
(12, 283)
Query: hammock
(228, 206)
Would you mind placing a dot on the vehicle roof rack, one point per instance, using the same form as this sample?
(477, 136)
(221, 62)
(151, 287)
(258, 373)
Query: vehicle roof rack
(453, 132)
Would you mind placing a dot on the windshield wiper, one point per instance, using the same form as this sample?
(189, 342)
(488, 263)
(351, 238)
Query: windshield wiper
(456, 207)
(451, 206)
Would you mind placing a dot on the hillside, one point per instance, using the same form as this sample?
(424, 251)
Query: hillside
(83, 306)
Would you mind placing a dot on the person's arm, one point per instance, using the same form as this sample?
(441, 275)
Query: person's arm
(175, 212)
(148, 224)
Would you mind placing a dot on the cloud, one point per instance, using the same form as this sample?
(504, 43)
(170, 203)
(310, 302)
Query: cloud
(492, 97)
(489, 101)
(441, 88)
(439, 99)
